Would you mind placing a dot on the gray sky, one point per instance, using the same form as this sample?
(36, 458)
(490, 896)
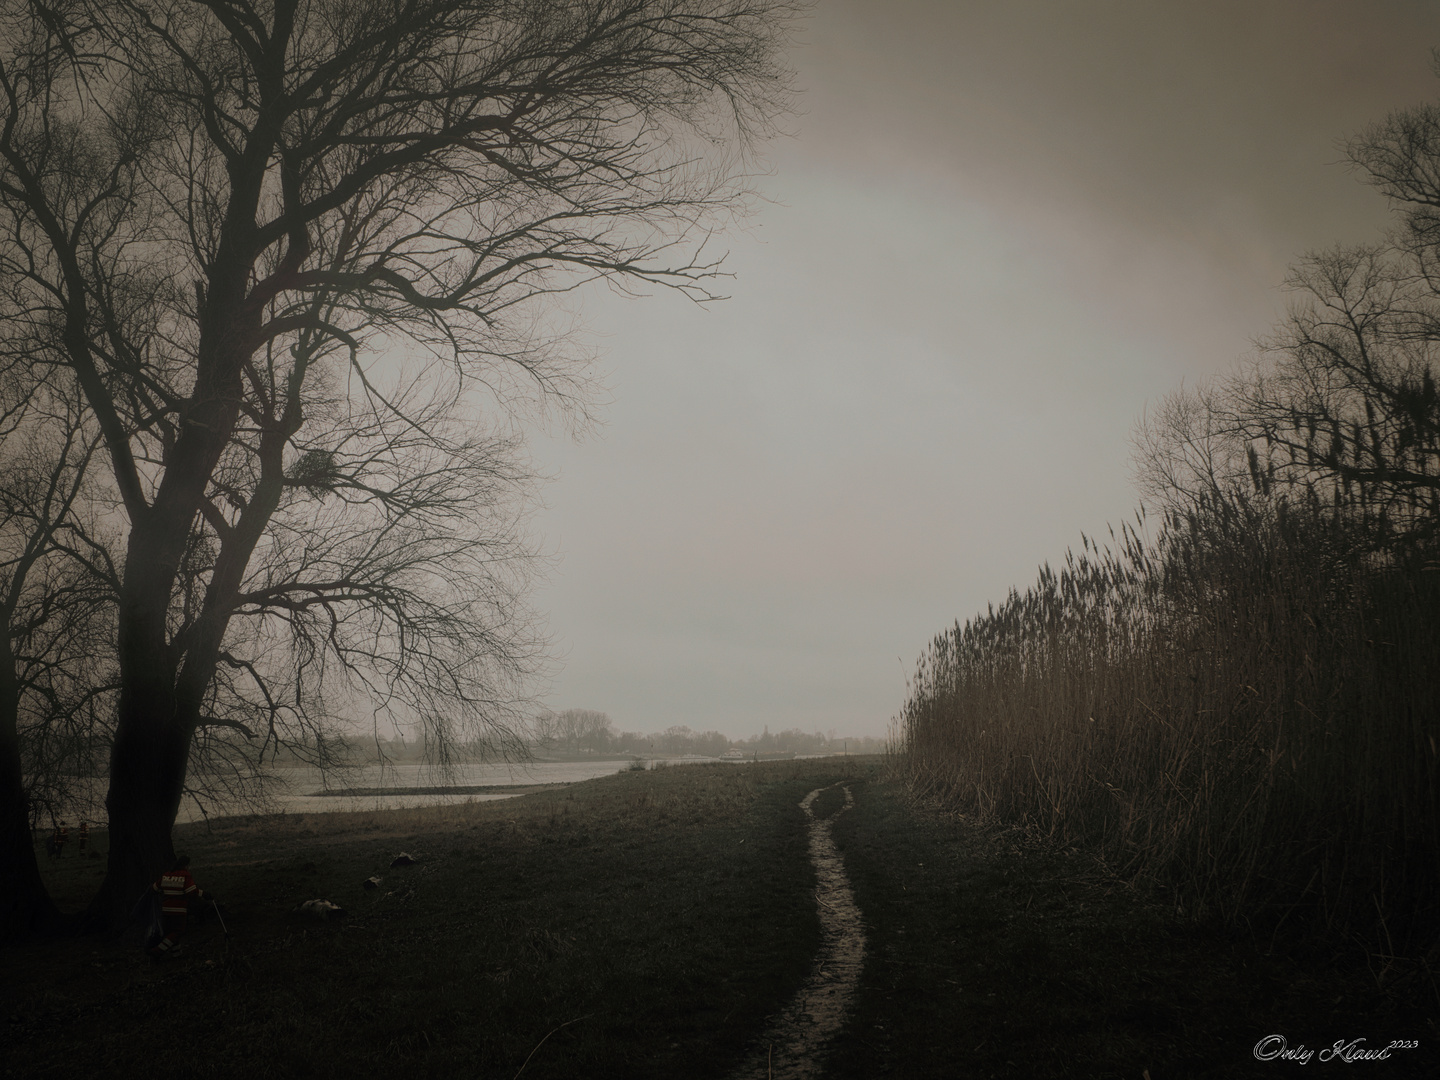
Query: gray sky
(998, 231)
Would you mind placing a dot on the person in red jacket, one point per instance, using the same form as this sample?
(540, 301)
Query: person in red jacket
(176, 888)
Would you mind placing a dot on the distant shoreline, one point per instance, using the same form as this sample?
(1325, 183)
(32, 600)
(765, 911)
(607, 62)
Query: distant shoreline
(449, 789)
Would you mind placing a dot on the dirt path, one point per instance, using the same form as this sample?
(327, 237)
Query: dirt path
(794, 1045)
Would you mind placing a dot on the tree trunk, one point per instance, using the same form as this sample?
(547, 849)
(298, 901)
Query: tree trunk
(147, 778)
(152, 741)
(155, 723)
(25, 904)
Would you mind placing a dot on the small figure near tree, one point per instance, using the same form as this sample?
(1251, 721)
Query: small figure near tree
(83, 837)
(58, 839)
(176, 887)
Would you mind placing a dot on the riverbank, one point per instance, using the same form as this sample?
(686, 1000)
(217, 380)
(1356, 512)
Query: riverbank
(443, 789)
(653, 925)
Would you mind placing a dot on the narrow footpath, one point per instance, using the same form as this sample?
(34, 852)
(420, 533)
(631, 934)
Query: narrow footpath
(796, 1041)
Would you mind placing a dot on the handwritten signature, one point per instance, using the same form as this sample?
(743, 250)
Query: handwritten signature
(1276, 1048)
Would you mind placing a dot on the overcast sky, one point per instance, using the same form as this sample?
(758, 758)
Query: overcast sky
(998, 230)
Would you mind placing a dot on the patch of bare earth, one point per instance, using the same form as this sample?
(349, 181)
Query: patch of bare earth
(795, 1043)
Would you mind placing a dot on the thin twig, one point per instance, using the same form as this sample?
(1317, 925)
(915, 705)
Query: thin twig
(547, 1035)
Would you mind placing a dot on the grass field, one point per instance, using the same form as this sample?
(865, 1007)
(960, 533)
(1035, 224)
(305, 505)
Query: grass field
(993, 954)
(646, 925)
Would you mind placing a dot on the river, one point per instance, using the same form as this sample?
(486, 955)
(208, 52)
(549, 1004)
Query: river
(303, 790)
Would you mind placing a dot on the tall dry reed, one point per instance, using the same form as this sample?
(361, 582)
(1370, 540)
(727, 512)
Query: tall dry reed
(1242, 707)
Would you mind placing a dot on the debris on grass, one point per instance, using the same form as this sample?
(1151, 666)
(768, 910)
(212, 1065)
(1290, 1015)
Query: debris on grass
(323, 910)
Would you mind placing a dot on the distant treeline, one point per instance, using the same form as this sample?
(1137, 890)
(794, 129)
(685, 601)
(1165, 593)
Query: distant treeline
(588, 731)
(1238, 697)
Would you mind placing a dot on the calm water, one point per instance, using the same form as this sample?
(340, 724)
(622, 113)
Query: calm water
(294, 791)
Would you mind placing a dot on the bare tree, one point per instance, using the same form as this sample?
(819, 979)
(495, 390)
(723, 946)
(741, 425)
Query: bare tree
(56, 627)
(572, 729)
(585, 729)
(1340, 402)
(1339, 405)
(288, 249)
(544, 730)
(1188, 448)
(1344, 394)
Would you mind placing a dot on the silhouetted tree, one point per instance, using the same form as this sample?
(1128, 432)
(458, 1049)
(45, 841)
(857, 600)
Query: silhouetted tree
(56, 625)
(1344, 402)
(288, 249)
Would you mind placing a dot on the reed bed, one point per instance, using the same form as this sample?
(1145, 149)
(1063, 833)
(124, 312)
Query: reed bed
(1239, 705)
